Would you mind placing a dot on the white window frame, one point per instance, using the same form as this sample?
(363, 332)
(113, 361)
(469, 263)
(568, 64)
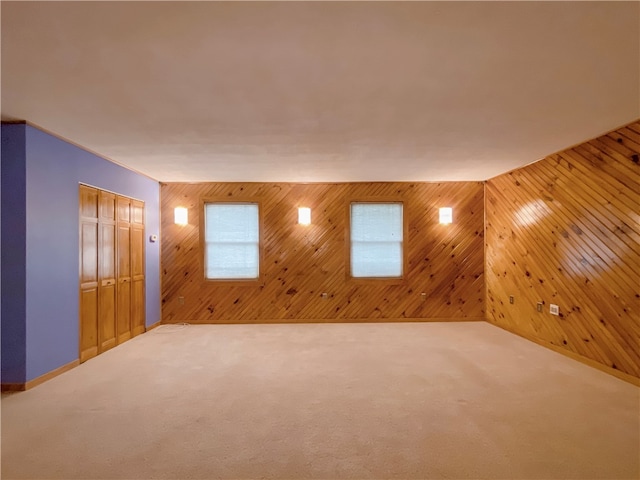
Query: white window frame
(356, 237)
(209, 244)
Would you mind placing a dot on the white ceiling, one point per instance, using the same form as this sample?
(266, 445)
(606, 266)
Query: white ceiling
(322, 91)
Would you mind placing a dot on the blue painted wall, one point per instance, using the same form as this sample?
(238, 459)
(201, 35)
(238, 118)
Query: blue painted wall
(54, 169)
(13, 254)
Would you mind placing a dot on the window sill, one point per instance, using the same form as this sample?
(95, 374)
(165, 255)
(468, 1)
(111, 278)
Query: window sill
(377, 280)
(235, 282)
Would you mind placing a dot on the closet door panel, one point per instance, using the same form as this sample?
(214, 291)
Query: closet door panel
(124, 311)
(107, 253)
(89, 323)
(88, 202)
(137, 256)
(137, 212)
(124, 283)
(124, 252)
(88, 284)
(137, 276)
(137, 307)
(124, 210)
(107, 319)
(107, 207)
(89, 253)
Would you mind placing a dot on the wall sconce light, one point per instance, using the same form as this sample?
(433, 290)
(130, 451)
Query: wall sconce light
(181, 216)
(304, 216)
(446, 215)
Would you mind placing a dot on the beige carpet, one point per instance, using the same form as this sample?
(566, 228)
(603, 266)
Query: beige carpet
(419, 400)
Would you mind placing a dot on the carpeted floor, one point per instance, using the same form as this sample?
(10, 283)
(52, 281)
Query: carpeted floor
(331, 401)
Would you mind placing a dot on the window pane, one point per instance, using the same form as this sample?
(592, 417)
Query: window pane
(232, 260)
(376, 240)
(375, 222)
(231, 222)
(376, 259)
(232, 241)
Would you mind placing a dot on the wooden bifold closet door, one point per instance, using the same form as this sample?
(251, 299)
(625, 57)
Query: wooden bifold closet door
(88, 273)
(111, 270)
(124, 270)
(137, 267)
(107, 256)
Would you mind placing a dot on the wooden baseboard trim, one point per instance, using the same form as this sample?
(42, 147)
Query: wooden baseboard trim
(575, 356)
(51, 374)
(21, 387)
(288, 321)
(153, 325)
(592, 363)
(12, 387)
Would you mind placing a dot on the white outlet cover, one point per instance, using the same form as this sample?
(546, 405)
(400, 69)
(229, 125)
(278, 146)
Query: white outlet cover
(554, 309)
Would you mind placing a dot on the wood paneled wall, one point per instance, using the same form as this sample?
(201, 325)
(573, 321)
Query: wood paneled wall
(566, 231)
(301, 262)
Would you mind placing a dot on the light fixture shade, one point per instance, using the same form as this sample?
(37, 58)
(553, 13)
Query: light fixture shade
(181, 216)
(446, 215)
(304, 215)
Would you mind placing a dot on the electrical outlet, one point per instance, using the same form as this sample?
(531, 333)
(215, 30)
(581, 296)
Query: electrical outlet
(554, 309)
(539, 306)
(511, 299)
(423, 296)
(324, 295)
(180, 300)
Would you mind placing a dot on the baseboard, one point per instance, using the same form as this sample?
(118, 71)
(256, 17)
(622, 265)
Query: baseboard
(263, 321)
(592, 363)
(53, 373)
(12, 387)
(153, 325)
(575, 356)
(21, 387)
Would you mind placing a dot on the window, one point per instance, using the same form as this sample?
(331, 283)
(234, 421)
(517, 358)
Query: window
(232, 241)
(376, 240)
